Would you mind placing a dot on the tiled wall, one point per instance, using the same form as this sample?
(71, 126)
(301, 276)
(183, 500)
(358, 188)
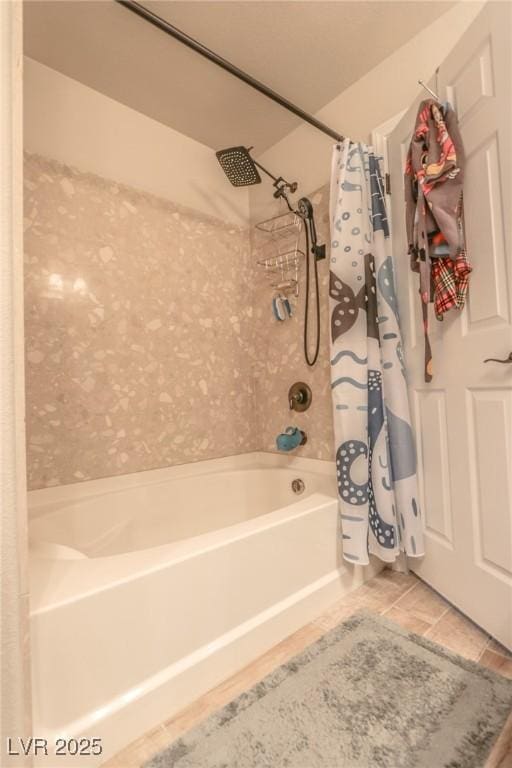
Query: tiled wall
(150, 339)
(281, 357)
(140, 338)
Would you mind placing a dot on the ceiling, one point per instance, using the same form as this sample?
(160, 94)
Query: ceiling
(307, 51)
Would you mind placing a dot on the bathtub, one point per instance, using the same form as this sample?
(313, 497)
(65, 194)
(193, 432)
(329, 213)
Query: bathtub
(147, 590)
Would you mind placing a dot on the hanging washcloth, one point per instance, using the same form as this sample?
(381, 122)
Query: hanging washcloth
(434, 175)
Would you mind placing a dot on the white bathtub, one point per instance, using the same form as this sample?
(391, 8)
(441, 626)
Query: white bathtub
(149, 589)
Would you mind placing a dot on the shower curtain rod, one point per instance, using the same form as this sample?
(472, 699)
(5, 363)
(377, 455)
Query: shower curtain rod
(198, 47)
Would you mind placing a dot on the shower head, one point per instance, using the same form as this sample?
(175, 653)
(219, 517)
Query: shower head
(238, 166)
(242, 170)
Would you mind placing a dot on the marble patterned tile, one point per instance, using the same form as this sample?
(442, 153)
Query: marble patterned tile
(496, 662)
(459, 634)
(377, 594)
(423, 603)
(139, 330)
(406, 620)
(337, 614)
(282, 360)
(150, 338)
(403, 581)
(142, 750)
(499, 648)
(391, 583)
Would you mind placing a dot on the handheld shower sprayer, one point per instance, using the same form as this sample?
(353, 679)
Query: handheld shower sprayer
(242, 170)
(305, 211)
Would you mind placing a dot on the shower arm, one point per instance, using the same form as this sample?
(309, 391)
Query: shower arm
(282, 186)
(202, 50)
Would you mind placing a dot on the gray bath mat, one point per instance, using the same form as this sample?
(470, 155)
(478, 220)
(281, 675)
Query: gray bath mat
(368, 693)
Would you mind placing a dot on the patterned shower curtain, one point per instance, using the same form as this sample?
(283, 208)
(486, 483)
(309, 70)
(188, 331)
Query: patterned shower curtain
(375, 452)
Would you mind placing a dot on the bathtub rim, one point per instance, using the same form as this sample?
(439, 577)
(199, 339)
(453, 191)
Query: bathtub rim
(43, 500)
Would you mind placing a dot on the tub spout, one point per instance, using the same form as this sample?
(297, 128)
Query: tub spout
(290, 439)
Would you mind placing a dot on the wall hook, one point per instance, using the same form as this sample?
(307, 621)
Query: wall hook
(423, 85)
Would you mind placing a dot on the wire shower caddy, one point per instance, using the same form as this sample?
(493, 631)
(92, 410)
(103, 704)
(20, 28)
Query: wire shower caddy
(278, 251)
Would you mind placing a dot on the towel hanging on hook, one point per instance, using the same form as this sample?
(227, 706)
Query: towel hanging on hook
(434, 176)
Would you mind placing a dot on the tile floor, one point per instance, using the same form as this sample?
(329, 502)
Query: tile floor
(401, 598)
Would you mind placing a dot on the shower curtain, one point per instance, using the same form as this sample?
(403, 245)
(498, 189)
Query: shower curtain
(375, 451)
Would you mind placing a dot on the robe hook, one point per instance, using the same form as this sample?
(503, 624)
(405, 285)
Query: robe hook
(423, 85)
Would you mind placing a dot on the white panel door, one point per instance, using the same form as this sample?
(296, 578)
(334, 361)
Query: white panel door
(463, 418)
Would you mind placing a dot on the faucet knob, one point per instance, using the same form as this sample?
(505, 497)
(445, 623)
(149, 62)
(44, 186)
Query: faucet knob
(299, 396)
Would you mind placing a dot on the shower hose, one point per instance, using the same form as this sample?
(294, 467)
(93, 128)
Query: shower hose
(311, 360)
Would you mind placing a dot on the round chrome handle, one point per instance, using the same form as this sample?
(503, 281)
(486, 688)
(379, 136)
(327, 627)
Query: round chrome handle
(299, 396)
(495, 359)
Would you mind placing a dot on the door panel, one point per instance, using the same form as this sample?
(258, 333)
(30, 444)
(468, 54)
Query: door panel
(463, 419)
(432, 431)
(491, 412)
(473, 83)
(485, 232)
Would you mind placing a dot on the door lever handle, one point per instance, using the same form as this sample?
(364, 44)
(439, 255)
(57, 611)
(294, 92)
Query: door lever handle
(495, 359)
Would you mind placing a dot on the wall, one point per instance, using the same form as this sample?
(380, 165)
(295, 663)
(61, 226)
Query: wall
(138, 351)
(15, 673)
(138, 329)
(81, 127)
(281, 357)
(149, 334)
